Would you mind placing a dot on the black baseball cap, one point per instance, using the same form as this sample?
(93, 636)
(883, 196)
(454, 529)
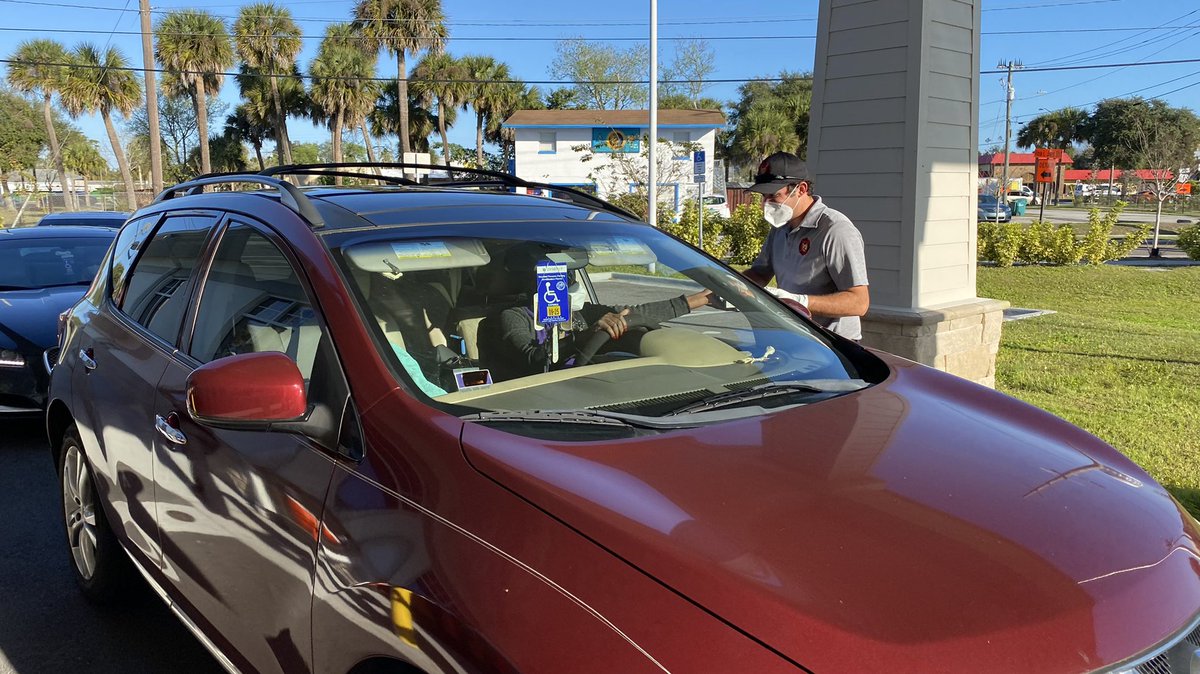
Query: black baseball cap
(778, 171)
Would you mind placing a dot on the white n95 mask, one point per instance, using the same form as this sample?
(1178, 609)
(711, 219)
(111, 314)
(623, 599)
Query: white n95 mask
(777, 215)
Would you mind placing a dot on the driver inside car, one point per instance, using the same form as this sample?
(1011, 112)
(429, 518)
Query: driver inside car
(521, 347)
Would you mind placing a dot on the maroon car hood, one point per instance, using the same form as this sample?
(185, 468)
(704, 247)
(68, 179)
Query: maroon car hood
(923, 524)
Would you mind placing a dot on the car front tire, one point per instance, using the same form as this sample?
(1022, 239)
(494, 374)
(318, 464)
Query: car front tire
(101, 568)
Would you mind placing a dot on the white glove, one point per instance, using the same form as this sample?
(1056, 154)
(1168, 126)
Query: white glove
(785, 295)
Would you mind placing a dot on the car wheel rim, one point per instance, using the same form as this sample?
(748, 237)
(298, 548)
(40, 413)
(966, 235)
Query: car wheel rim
(79, 507)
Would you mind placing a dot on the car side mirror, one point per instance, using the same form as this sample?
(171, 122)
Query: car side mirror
(247, 390)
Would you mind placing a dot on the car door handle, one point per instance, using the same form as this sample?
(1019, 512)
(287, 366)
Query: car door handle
(85, 357)
(167, 428)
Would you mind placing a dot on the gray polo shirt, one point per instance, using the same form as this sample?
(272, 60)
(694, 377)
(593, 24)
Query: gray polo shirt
(820, 256)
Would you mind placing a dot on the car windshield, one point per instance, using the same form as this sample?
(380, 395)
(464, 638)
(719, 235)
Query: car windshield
(42, 263)
(514, 320)
(987, 200)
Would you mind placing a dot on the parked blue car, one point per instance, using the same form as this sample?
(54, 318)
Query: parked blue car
(992, 209)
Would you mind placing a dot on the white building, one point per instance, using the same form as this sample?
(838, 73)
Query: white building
(604, 150)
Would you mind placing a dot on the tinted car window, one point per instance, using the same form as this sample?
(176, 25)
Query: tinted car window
(131, 240)
(158, 284)
(43, 263)
(253, 302)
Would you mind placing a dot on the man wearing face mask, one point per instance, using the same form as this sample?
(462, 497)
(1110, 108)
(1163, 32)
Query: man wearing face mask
(814, 253)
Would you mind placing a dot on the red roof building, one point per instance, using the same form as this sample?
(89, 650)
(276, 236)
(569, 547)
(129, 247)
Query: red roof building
(1085, 175)
(1014, 159)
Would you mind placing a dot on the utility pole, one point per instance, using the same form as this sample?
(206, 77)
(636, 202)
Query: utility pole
(1010, 66)
(652, 208)
(156, 174)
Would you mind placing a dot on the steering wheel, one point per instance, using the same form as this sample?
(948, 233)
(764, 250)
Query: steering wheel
(601, 337)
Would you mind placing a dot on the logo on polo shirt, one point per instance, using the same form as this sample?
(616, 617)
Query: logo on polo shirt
(804, 243)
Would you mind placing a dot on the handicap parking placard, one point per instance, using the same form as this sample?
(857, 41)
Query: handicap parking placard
(551, 302)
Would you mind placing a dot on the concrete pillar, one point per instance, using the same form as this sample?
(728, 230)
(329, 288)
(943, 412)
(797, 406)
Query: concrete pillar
(893, 138)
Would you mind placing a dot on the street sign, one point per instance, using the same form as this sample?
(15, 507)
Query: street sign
(698, 165)
(1044, 173)
(1183, 188)
(551, 302)
(1042, 153)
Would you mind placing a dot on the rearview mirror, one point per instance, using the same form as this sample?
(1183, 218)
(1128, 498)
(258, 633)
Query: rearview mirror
(247, 388)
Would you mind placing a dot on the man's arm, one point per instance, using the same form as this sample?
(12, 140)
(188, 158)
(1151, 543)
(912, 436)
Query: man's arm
(758, 277)
(853, 301)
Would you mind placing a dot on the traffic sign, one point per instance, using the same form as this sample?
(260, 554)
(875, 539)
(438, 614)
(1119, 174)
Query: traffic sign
(1044, 174)
(698, 169)
(1042, 153)
(552, 304)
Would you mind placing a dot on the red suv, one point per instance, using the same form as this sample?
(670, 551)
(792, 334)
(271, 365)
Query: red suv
(453, 427)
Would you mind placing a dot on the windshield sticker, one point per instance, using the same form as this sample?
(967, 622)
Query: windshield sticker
(413, 250)
(551, 299)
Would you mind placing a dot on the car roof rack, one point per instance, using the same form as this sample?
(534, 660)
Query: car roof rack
(293, 198)
(489, 179)
(289, 195)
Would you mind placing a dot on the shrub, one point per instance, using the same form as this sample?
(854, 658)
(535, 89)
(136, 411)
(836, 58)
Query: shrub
(1061, 247)
(637, 203)
(746, 230)
(1045, 243)
(1121, 248)
(1189, 241)
(716, 243)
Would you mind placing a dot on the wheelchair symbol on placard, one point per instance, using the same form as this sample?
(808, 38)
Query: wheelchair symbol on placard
(550, 297)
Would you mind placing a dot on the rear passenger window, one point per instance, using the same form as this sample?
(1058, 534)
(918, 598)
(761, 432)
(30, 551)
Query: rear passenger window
(129, 242)
(155, 290)
(253, 302)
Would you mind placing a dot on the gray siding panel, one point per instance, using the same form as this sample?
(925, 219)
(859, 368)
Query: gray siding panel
(862, 137)
(878, 37)
(866, 14)
(875, 62)
(865, 88)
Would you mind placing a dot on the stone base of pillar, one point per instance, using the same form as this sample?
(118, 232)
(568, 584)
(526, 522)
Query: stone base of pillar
(960, 338)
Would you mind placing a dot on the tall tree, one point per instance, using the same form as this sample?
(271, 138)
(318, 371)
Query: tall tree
(194, 48)
(267, 40)
(1162, 142)
(82, 155)
(522, 98)
(384, 119)
(438, 78)
(21, 137)
(339, 90)
(249, 128)
(403, 28)
(102, 81)
(37, 67)
(490, 93)
(606, 77)
(693, 62)
(1060, 129)
(769, 117)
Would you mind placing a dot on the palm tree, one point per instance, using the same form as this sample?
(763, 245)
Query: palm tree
(338, 92)
(517, 97)
(102, 81)
(194, 47)
(37, 67)
(762, 131)
(438, 79)
(267, 41)
(384, 119)
(402, 27)
(490, 92)
(250, 127)
(1058, 129)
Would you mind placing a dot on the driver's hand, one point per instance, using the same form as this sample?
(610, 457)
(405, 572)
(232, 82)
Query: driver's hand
(699, 299)
(614, 324)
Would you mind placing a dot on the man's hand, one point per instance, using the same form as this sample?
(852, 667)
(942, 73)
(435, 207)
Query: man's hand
(699, 299)
(614, 324)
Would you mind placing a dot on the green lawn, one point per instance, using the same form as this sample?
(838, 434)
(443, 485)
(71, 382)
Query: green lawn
(1121, 358)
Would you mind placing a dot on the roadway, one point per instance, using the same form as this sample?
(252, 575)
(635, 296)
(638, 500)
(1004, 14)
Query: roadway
(45, 623)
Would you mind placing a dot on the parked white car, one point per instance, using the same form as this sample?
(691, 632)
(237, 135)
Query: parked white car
(717, 204)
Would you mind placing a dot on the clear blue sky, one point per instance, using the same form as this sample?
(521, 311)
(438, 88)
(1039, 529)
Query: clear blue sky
(1078, 32)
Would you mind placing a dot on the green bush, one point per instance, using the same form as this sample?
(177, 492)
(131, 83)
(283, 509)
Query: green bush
(716, 243)
(745, 231)
(1189, 241)
(1046, 243)
(637, 203)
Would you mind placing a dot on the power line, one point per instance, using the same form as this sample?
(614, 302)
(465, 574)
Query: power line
(1093, 66)
(1057, 61)
(473, 38)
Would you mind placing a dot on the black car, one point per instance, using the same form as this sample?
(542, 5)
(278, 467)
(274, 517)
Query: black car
(112, 219)
(43, 271)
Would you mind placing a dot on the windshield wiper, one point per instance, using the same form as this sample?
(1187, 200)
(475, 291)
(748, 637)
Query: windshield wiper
(588, 417)
(825, 388)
